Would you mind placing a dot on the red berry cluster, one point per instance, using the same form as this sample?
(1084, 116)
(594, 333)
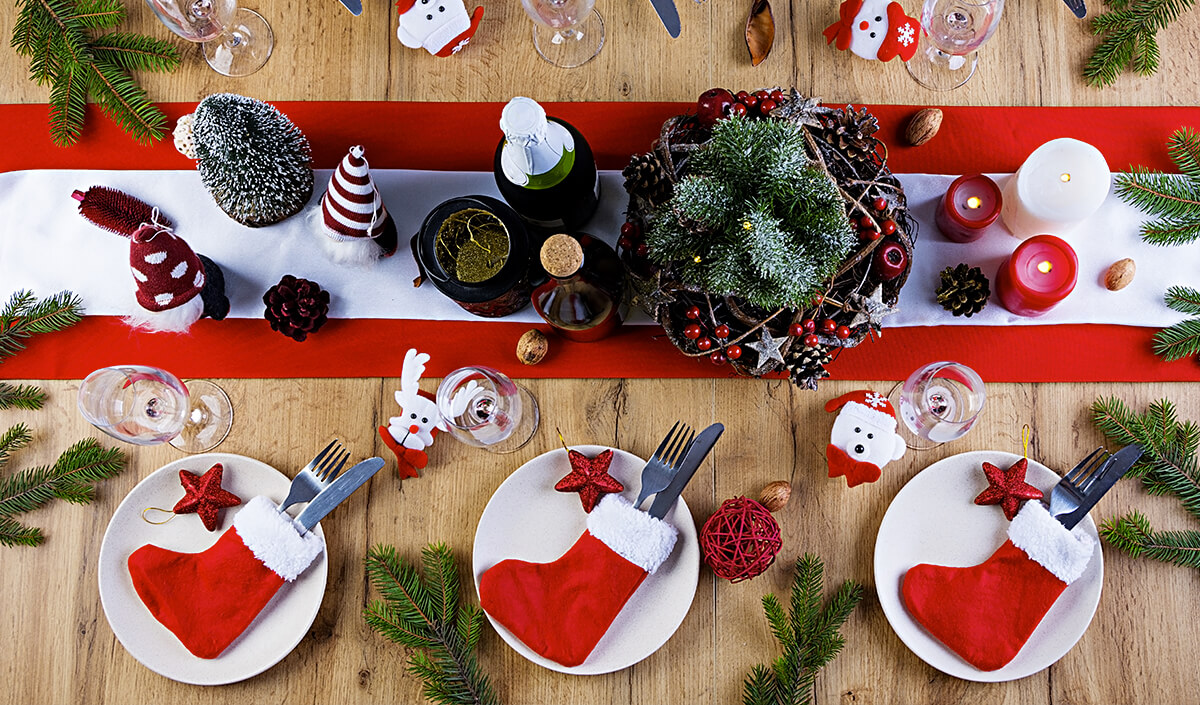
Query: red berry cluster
(632, 240)
(695, 332)
(806, 331)
(890, 258)
(756, 104)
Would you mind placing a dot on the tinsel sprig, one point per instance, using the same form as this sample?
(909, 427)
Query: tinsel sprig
(1173, 198)
(420, 609)
(1168, 467)
(1181, 339)
(69, 479)
(808, 633)
(1129, 30)
(70, 49)
(24, 315)
(21, 396)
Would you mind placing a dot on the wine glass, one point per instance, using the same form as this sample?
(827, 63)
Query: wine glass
(145, 406)
(236, 41)
(940, 402)
(951, 31)
(485, 408)
(567, 33)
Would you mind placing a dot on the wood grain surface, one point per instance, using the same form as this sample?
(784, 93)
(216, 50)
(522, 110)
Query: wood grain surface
(1140, 647)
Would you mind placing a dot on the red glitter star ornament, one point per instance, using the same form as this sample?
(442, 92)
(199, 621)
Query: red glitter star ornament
(589, 477)
(1007, 488)
(204, 495)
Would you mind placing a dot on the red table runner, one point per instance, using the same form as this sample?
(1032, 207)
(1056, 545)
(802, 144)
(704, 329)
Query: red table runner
(463, 136)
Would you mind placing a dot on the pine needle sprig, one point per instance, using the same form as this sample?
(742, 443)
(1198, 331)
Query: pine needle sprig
(1181, 339)
(21, 396)
(24, 316)
(58, 38)
(71, 479)
(1168, 467)
(420, 609)
(810, 637)
(1173, 198)
(14, 439)
(1129, 31)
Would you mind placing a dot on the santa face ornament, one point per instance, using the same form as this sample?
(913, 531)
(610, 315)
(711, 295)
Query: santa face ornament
(864, 437)
(441, 27)
(875, 29)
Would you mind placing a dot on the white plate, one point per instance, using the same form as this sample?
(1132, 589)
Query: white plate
(934, 519)
(528, 519)
(279, 627)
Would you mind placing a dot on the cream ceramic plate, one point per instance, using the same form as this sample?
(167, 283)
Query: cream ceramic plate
(528, 519)
(278, 628)
(934, 519)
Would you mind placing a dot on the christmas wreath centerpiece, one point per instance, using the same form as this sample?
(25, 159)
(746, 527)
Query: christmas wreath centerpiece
(767, 232)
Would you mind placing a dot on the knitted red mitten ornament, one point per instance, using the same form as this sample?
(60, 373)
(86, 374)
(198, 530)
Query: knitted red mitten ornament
(562, 609)
(208, 599)
(985, 613)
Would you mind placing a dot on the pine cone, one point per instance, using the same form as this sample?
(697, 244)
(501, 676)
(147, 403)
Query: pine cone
(296, 307)
(646, 178)
(964, 290)
(851, 132)
(806, 365)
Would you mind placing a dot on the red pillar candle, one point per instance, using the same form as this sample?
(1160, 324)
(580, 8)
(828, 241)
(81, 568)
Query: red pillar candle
(970, 205)
(1038, 274)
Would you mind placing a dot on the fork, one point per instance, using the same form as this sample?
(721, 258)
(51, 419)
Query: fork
(666, 461)
(317, 475)
(1073, 488)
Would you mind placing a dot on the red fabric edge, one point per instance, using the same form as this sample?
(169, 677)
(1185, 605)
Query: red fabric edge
(399, 135)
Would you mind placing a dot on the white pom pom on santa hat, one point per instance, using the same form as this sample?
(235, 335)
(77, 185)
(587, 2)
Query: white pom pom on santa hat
(872, 407)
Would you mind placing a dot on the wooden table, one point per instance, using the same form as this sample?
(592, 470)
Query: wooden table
(1140, 645)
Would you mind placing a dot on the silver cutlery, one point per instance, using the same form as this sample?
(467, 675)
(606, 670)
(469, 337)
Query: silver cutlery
(1079, 490)
(666, 461)
(342, 488)
(704, 442)
(317, 475)
(669, 15)
(1078, 8)
(354, 6)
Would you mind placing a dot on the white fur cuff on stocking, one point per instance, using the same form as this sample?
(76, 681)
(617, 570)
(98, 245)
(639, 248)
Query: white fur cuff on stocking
(631, 533)
(1062, 552)
(275, 539)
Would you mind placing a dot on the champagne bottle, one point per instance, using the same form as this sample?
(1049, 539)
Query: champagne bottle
(545, 169)
(584, 300)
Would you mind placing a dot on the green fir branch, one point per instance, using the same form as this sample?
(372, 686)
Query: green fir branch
(809, 634)
(14, 439)
(1128, 34)
(71, 49)
(421, 610)
(14, 533)
(1181, 339)
(21, 396)
(1183, 299)
(1173, 198)
(24, 316)
(1168, 467)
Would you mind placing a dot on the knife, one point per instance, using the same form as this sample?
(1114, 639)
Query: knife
(663, 501)
(1121, 462)
(1077, 7)
(354, 6)
(341, 488)
(670, 16)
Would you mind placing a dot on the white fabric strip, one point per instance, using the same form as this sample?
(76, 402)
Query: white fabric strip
(633, 534)
(46, 246)
(1048, 543)
(275, 540)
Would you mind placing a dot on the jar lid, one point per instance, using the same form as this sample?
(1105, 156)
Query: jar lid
(561, 255)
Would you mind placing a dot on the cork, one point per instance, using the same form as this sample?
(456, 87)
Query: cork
(562, 255)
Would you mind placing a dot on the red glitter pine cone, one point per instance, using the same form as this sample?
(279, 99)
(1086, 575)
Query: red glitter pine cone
(296, 307)
(740, 540)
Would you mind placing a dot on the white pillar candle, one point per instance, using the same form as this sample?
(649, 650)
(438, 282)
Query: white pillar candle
(1061, 183)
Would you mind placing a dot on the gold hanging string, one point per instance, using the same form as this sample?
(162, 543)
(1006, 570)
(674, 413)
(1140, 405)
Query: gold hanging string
(1026, 436)
(157, 509)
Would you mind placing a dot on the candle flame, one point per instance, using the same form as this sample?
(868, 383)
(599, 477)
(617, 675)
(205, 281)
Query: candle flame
(1064, 178)
(696, 259)
(1044, 267)
(974, 202)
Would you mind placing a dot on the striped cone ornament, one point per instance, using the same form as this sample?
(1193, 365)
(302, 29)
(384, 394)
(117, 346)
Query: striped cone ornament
(352, 210)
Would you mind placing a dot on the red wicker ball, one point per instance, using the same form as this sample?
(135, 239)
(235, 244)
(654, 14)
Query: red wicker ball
(740, 540)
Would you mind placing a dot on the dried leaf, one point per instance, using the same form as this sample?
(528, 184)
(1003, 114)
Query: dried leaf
(760, 31)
